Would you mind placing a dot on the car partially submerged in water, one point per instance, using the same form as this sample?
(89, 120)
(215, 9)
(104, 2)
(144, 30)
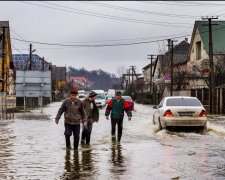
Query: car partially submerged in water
(179, 111)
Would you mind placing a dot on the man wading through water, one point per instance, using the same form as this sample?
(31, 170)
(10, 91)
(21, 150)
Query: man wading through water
(74, 115)
(92, 114)
(117, 106)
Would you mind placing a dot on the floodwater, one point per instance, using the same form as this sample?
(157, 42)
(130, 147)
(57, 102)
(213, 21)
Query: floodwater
(32, 146)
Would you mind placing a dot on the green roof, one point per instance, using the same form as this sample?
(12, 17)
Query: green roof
(218, 34)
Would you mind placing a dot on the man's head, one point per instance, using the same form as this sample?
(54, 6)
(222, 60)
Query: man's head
(92, 96)
(118, 95)
(73, 95)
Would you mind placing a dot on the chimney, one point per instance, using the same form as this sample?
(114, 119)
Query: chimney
(169, 44)
(186, 39)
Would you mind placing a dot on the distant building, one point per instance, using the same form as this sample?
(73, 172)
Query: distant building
(80, 82)
(162, 69)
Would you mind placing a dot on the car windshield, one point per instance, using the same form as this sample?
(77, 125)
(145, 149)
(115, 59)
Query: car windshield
(182, 102)
(81, 96)
(126, 97)
(100, 96)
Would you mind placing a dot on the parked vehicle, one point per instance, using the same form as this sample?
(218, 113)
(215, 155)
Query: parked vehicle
(111, 93)
(101, 98)
(108, 98)
(81, 94)
(129, 99)
(180, 111)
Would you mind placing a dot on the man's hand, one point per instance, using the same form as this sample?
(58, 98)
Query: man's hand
(56, 120)
(107, 117)
(85, 123)
(129, 118)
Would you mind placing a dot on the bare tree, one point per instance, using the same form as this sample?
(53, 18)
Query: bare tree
(120, 71)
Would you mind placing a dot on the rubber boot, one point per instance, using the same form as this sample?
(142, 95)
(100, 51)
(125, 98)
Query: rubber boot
(119, 138)
(76, 143)
(68, 146)
(113, 138)
(88, 138)
(83, 138)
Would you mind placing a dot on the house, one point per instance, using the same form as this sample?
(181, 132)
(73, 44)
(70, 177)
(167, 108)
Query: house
(80, 82)
(162, 71)
(198, 64)
(7, 73)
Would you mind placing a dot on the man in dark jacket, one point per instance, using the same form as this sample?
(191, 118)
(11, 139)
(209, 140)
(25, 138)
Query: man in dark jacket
(92, 114)
(117, 106)
(74, 115)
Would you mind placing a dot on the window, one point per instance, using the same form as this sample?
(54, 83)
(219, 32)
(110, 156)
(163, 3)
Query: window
(198, 50)
(182, 102)
(100, 96)
(161, 103)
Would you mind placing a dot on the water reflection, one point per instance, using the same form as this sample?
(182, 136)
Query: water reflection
(78, 164)
(117, 159)
(6, 151)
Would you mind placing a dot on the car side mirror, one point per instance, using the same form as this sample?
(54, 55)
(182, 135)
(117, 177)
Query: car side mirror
(155, 107)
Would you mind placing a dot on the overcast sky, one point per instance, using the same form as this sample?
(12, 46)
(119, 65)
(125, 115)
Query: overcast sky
(69, 25)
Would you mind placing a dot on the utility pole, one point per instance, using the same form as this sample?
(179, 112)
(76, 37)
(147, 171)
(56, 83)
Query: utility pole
(151, 58)
(31, 51)
(30, 64)
(132, 75)
(170, 45)
(212, 92)
(3, 57)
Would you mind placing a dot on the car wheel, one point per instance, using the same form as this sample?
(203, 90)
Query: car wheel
(203, 129)
(160, 125)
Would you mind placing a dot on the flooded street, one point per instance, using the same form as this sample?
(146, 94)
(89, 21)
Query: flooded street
(33, 147)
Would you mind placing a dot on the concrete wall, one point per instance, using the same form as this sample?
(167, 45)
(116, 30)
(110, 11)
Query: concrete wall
(33, 83)
(176, 93)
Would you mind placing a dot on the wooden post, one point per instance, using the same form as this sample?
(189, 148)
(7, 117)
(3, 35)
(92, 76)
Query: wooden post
(221, 100)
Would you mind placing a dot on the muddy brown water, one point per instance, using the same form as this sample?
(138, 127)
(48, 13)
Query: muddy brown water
(34, 148)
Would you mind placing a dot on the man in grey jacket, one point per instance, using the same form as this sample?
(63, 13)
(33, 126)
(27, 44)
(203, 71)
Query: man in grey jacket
(74, 115)
(92, 114)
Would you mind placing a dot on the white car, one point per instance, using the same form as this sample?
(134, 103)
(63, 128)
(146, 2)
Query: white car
(180, 111)
(101, 98)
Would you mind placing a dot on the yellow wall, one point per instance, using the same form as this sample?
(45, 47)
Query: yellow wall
(8, 58)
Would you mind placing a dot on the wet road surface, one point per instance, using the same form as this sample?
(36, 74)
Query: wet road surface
(32, 146)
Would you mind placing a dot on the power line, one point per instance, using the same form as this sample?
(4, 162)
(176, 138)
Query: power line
(94, 45)
(16, 49)
(106, 45)
(158, 22)
(176, 4)
(191, 3)
(137, 10)
(127, 39)
(108, 16)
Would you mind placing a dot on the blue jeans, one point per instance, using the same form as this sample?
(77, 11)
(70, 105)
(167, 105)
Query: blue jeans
(72, 129)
